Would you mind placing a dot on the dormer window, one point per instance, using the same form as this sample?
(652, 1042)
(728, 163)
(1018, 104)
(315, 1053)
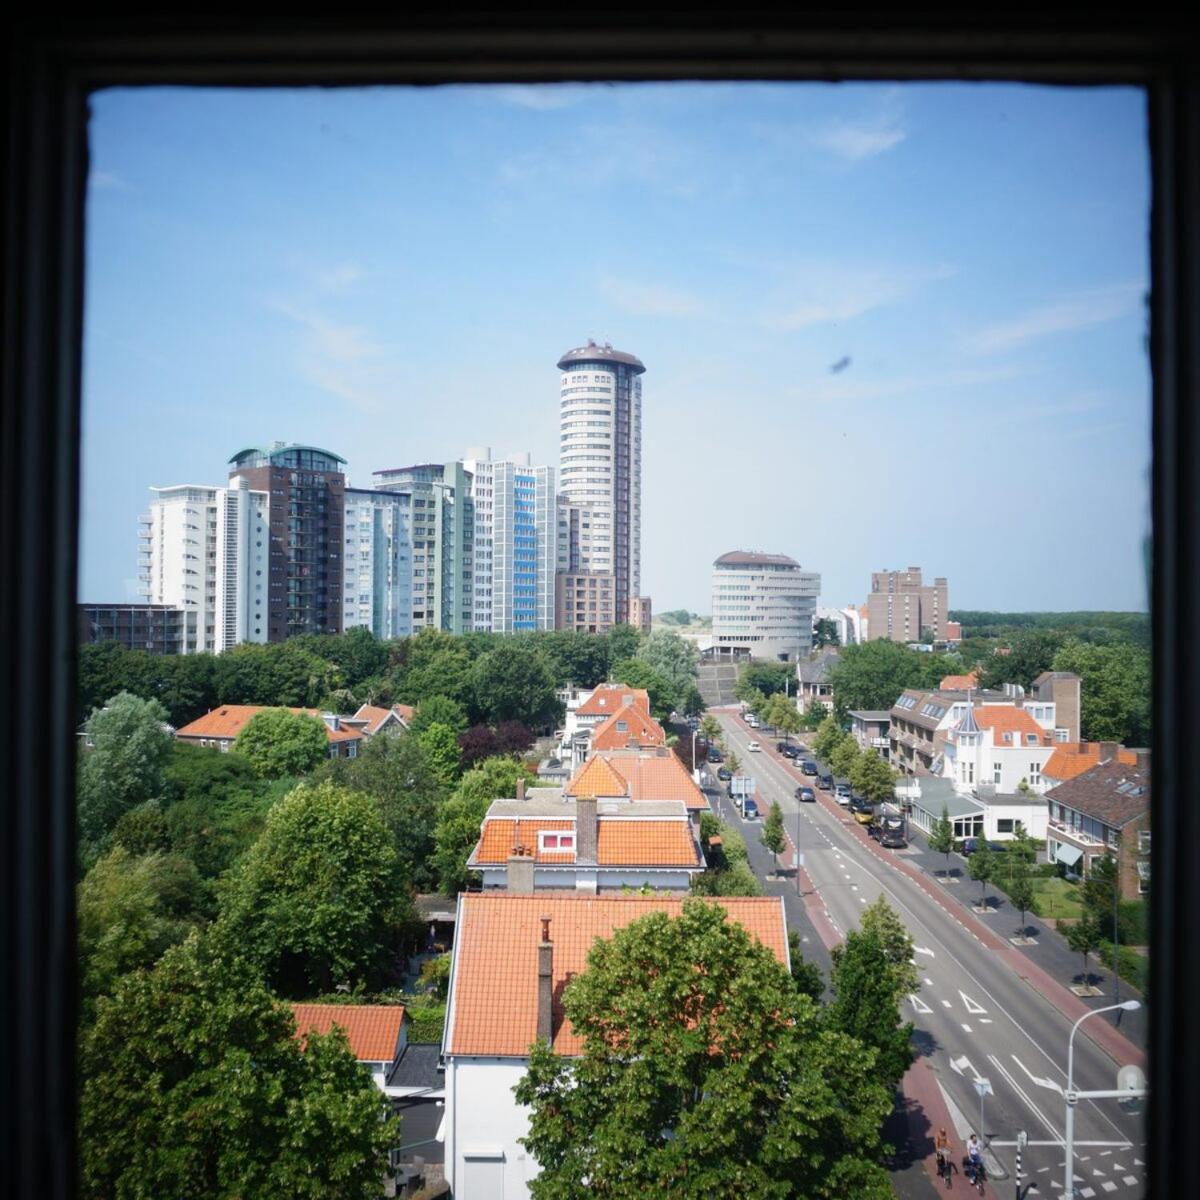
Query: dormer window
(556, 841)
(622, 726)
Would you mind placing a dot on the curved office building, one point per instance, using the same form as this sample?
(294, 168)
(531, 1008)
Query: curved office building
(763, 606)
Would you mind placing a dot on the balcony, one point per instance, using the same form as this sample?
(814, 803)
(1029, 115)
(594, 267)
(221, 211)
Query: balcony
(1076, 835)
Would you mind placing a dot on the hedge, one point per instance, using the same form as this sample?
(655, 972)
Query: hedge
(428, 1022)
(1133, 967)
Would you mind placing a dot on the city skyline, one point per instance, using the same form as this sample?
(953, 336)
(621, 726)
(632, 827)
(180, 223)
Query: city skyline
(881, 325)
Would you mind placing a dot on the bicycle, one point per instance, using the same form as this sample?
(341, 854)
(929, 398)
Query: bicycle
(945, 1168)
(976, 1173)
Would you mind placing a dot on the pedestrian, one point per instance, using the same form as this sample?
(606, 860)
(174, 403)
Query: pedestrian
(430, 938)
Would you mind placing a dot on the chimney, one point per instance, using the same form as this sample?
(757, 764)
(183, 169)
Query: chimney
(1108, 751)
(545, 992)
(521, 788)
(587, 830)
(520, 872)
(1143, 760)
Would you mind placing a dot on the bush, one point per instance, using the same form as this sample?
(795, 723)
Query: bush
(1132, 967)
(1134, 916)
(428, 1022)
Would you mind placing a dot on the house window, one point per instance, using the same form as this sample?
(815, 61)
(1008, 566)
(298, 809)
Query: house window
(1143, 841)
(1004, 824)
(1035, 772)
(997, 771)
(622, 726)
(1143, 871)
(556, 841)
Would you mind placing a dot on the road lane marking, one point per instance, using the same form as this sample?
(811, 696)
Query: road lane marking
(947, 1004)
(918, 1004)
(922, 950)
(928, 981)
(966, 1029)
(1016, 1087)
(973, 1006)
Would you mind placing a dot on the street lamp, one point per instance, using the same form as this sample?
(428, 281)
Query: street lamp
(1073, 1097)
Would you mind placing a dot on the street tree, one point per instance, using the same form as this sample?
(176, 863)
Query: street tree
(981, 866)
(194, 1085)
(829, 734)
(125, 764)
(439, 710)
(710, 730)
(941, 836)
(772, 836)
(1020, 852)
(702, 1069)
(1100, 894)
(895, 943)
(278, 742)
(814, 714)
(1084, 937)
(783, 715)
(867, 995)
(1020, 895)
(873, 778)
(733, 764)
(442, 752)
(805, 973)
(316, 901)
(845, 757)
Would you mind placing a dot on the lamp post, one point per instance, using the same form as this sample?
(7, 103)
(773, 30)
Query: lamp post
(1072, 1097)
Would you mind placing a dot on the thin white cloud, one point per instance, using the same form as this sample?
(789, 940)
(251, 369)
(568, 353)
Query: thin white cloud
(1082, 310)
(338, 278)
(541, 97)
(108, 181)
(854, 141)
(838, 292)
(650, 299)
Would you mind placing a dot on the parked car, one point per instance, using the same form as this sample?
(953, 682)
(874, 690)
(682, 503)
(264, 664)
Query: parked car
(724, 774)
(714, 755)
(790, 750)
(863, 810)
(752, 721)
(749, 809)
(804, 792)
(754, 747)
(808, 767)
(824, 782)
(841, 793)
(970, 845)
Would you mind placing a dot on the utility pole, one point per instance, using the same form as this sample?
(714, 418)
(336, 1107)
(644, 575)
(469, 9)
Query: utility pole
(1022, 1141)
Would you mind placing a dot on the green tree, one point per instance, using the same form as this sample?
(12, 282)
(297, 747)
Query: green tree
(634, 673)
(844, 758)
(690, 701)
(702, 1068)
(195, 1086)
(1100, 889)
(461, 818)
(442, 752)
(710, 730)
(1020, 895)
(1114, 692)
(439, 710)
(873, 674)
(765, 677)
(315, 901)
(805, 973)
(623, 643)
(1029, 654)
(1021, 852)
(981, 866)
(825, 633)
(941, 836)
(866, 1003)
(513, 683)
(1084, 937)
(143, 830)
(671, 656)
(896, 944)
(729, 879)
(279, 742)
(436, 664)
(871, 777)
(125, 765)
(772, 836)
(575, 657)
(130, 909)
(814, 714)
(829, 736)
(408, 792)
(282, 673)
(786, 717)
(733, 764)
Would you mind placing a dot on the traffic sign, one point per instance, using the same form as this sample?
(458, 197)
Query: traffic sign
(983, 1087)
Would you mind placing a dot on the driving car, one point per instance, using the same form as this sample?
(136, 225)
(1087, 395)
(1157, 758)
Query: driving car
(724, 774)
(804, 792)
(754, 747)
(841, 793)
(808, 767)
(749, 810)
(752, 721)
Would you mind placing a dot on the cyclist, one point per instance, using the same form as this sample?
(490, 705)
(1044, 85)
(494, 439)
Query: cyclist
(974, 1156)
(941, 1147)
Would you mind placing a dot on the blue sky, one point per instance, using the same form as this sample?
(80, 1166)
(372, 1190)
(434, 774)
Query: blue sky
(392, 274)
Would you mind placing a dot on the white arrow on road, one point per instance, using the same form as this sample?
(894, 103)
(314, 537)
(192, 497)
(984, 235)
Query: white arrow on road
(1046, 1083)
(962, 1065)
(972, 1005)
(922, 950)
(918, 1004)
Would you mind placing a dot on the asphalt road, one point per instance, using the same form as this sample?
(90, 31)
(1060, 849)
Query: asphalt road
(974, 1017)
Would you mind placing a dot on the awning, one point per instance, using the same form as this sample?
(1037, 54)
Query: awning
(1067, 854)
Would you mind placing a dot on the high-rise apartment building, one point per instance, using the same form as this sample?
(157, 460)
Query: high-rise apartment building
(206, 552)
(305, 489)
(377, 589)
(515, 538)
(763, 606)
(600, 412)
(901, 606)
(443, 542)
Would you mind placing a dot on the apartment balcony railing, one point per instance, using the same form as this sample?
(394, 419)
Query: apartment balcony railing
(1076, 835)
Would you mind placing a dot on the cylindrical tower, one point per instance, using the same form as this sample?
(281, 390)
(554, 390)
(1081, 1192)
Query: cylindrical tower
(600, 407)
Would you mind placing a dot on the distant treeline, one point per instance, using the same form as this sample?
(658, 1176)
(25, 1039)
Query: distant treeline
(1100, 627)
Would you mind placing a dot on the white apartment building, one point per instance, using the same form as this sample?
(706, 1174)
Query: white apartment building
(600, 409)
(763, 606)
(205, 551)
(1000, 747)
(515, 542)
(377, 563)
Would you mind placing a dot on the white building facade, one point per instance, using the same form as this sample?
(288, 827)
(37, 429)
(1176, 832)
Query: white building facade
(205, 551)
(763, 606)
(377, 572)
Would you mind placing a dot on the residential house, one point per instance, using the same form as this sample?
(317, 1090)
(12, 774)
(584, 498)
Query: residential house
(980, 812)
(513, 957)
(869, 728)
(1073, 758)
(959, 683)
(997, 745)
(1104, 811)
(219, 728)
(592, 712)
(631, 726)
(377, 1033)
(813, 682)
(635, 775)
(372, 719)
(546, 841)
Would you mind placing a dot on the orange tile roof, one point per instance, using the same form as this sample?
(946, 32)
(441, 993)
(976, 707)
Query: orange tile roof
(657, 777)
(597, 778)
(959, 683)
(493, 1005)
(230, 719)
(1073, 758)
(373, 1030)
(375, 716)
(609, 697)
(640, 726)
(1002, 719)
(620, 842)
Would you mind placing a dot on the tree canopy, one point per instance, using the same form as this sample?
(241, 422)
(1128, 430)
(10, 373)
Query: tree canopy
(439, 710)
(704, 1072)
(510, 684)
(278, 742)
(633, 672)
(871, 675)
(1115, 690)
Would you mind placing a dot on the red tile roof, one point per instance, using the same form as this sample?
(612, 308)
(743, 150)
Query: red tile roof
(620, 841)
(230, 719)
(493, 1004)
(639, 726)
(609, 697)
(959, 683)
(1002, 719)
(658, 775)
(1073, 758)
(376, 716)
(373, 1030)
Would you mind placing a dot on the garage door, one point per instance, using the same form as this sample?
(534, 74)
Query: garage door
(483, 1179)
